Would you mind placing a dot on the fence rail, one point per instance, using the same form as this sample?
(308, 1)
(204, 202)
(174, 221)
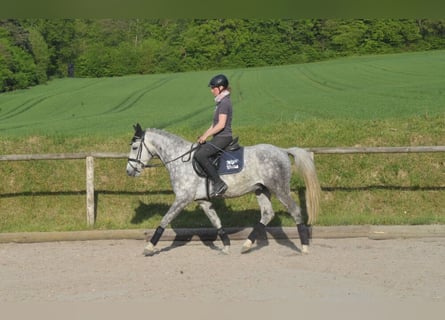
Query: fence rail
(335, 150)
(62, 156)
(90, 156)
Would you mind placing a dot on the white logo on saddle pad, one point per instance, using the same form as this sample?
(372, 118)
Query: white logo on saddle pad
(232, 164)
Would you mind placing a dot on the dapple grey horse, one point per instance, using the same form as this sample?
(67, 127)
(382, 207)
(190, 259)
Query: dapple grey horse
(267, 171)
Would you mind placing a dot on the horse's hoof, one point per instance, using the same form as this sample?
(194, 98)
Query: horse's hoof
(225, 250)
(246, 246)
(305, 249)
(149, 249)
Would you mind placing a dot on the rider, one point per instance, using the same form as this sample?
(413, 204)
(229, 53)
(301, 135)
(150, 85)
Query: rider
(221, 130)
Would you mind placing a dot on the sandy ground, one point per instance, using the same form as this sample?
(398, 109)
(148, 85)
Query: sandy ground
(336, 270)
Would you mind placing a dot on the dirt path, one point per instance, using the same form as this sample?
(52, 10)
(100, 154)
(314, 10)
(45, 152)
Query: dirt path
(351, 270)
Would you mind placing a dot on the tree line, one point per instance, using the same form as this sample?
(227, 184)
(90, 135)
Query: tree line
(33, 51)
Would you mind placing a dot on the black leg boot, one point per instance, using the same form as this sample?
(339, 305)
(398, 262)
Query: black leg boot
(304, 232)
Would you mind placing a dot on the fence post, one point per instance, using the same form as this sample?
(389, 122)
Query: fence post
(90, 191)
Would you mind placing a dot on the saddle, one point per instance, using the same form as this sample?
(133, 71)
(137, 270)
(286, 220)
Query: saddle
(227, 161)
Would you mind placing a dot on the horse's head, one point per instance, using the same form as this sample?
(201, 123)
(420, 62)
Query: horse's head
(140, 154)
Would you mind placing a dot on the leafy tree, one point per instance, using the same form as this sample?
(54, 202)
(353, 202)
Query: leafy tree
(432, 32)
(94, 62)
(18, 70)
(60, 36)
(385, 35)
(203, 45)
(40, 53)
(348, 36)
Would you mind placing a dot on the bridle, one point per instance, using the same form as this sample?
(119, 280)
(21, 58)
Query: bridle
(143, 145)
(139, 155)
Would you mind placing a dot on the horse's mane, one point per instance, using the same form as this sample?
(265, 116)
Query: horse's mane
(167, 134)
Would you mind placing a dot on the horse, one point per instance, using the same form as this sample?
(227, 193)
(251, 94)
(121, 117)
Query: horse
(267, 171)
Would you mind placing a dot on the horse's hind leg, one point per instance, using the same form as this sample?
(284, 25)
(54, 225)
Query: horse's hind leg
(295, 211)
(207, 206)
(263, 197)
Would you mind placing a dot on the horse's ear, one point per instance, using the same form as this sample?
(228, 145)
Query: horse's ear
(138, 129)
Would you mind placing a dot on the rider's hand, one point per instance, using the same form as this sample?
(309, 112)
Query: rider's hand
(202, 140)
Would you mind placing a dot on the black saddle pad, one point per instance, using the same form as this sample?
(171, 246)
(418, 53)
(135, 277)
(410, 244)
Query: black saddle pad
(231, 161)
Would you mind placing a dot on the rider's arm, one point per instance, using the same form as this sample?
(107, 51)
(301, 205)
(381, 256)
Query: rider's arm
(222, 119)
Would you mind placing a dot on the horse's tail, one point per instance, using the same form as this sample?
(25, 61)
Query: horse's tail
(306, 167)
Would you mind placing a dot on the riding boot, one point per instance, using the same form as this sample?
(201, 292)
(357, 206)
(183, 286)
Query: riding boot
(219, 186)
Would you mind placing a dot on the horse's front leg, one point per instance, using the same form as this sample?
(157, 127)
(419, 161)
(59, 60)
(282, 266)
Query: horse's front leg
(175, 209)
(207, 207)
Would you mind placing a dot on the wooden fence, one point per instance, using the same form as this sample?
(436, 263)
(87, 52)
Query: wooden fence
(89, 159)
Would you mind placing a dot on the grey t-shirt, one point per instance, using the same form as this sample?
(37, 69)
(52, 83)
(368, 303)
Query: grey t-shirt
(224, 107)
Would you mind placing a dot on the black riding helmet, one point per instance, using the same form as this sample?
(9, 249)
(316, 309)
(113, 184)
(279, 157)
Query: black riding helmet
(219, 80)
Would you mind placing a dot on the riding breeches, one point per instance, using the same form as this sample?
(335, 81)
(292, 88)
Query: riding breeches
(208, 149)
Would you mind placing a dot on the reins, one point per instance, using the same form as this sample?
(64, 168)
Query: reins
(193, 147)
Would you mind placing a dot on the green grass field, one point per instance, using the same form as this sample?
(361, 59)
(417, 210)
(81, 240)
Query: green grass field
(367, 88)
(388, 100)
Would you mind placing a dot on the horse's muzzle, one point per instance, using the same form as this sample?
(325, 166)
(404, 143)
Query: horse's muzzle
(132, 171)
